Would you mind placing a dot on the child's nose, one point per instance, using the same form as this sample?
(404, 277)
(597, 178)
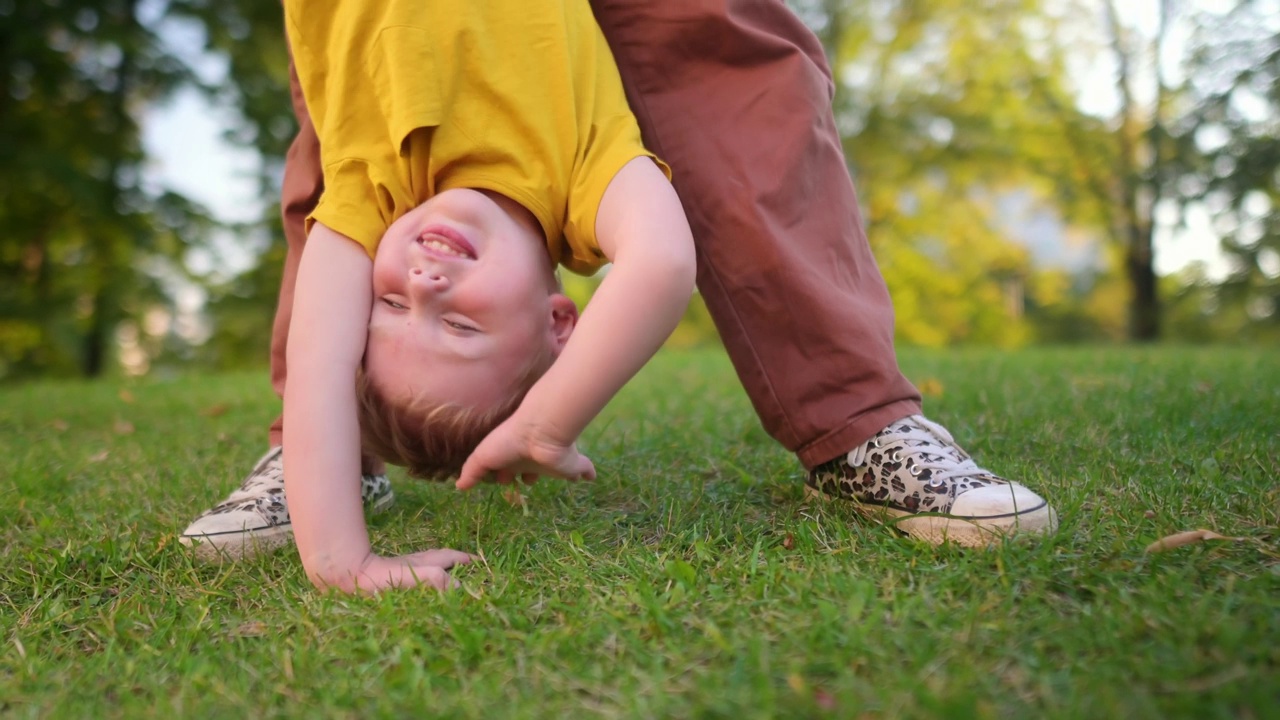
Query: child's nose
(429, 281)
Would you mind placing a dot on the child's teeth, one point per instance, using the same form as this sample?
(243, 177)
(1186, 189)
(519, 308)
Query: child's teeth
(437, 245)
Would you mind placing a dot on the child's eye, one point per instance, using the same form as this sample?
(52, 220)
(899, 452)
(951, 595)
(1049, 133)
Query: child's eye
(459, 326)
(394, 304)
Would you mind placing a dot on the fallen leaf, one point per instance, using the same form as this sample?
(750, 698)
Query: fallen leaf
(126, 396)
(253, 628)
(214, 411)
(1149, 514)
(123, 427)
(1187, 537)
(99, 457)
(61, 425)
(930, 387)
(789, 542)
(797, 683)
(513, 496)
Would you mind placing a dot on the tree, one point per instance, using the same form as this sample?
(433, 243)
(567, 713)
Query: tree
(1235, 132)
(1142, 158)
(1150, 156)
(949, 109)
(250, 35)
(86, 243)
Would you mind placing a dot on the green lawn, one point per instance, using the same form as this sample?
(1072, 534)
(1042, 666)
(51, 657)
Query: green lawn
(693, 579)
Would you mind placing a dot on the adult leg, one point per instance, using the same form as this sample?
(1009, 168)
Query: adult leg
(255, 517)
(736, 96)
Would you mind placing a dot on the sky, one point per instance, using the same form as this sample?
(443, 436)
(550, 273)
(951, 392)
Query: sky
(188, 154)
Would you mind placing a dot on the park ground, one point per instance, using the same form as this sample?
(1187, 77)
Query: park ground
(692, 579)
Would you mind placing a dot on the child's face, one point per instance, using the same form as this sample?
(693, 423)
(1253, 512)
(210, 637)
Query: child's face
(463, 293)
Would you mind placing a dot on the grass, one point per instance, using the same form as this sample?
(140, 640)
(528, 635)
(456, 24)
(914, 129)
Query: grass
(692, 580)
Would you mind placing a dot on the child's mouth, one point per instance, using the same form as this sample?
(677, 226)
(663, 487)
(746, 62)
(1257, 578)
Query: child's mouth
(444, 240)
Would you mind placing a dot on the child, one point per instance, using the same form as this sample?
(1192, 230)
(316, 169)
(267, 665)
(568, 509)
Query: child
(737, 94)
(508, 119)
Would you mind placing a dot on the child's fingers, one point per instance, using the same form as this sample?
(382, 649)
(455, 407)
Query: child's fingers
(472, 473)
(430, 575)
(443, 558)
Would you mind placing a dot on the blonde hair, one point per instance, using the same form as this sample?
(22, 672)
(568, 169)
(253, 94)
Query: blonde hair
(431, 439)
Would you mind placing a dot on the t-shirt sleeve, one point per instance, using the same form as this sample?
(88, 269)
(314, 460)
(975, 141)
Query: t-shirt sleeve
(614, 142)
(352, 102)
(355, 203)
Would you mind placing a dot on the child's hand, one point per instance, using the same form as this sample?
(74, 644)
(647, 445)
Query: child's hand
(430, 567)
(517, 450)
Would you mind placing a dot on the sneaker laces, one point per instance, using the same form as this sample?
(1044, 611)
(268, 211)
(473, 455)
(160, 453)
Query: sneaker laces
(927, 443)
(269, 472)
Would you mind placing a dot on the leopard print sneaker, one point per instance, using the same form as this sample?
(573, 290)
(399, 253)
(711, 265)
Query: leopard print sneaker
(254, 519)
(914, 476)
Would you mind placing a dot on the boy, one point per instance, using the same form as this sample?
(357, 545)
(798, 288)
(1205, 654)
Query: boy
(737, 94)
(508, 119)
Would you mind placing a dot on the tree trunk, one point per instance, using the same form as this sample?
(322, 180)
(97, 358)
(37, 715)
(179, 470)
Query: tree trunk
(108, 255)
(1140, 173)
(1144, 300)
(95, 340)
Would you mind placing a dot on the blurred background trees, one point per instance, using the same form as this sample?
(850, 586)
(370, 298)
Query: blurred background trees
(85, 244)
(1021, 166)
(1232, 128)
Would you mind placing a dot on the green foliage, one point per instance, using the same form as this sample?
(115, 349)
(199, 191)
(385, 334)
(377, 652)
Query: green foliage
(693, 579)
(947, 108)
(86, 244)
(945, 105)
(1235, 131)
(250, 35)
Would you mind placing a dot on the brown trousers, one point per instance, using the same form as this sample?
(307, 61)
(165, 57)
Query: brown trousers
(736, 96)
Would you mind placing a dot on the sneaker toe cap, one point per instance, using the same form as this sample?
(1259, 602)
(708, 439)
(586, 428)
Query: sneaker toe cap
(1010, 505)
(234, 535)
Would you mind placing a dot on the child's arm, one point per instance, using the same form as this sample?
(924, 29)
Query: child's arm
(642, 228)
(321, 432)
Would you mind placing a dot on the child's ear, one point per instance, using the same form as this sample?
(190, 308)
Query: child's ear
(564, 317)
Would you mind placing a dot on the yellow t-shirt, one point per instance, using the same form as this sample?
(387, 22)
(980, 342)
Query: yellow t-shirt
(413, 97)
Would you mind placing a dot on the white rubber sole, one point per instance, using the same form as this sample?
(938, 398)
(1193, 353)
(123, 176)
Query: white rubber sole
(939, 529)
(234, 545)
